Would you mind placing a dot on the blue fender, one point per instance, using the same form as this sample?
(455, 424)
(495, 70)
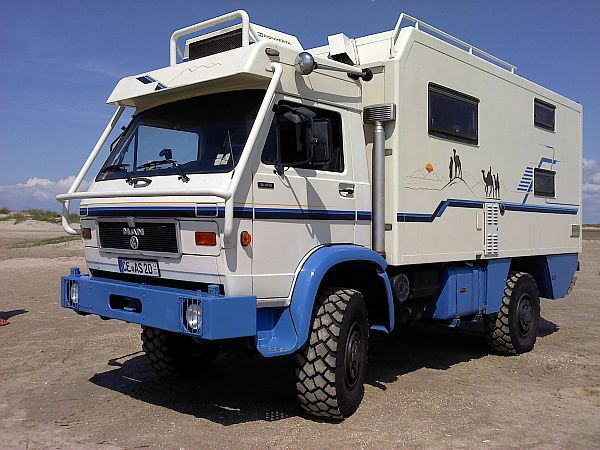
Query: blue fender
(312, 273)
(291, 328)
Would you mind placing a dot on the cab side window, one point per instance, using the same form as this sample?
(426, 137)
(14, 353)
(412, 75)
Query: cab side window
(287, 141)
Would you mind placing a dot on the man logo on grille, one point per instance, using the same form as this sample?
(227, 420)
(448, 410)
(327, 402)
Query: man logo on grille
(134, 242)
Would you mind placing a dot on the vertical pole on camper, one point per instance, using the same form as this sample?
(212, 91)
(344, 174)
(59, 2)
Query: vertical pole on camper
(378, 115)
(378, 188)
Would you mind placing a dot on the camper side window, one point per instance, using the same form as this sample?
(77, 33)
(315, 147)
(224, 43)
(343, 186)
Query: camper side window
(286, 144)
(543, 183)
(452, 115)
(543, 115)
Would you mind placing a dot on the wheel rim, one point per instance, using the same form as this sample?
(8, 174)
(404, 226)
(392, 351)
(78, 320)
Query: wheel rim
(354, 355)
(525, 309)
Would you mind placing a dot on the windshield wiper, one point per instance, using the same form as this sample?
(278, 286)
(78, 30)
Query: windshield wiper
(160, 162)
(156, 163)
(115, 167)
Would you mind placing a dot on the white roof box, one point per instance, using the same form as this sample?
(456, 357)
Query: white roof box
(342, 49)
(231, 37)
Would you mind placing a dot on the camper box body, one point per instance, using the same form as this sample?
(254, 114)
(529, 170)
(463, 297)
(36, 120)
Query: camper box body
(435, 218)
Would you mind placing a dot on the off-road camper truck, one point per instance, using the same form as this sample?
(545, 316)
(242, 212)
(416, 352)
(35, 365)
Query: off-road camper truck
(298, 199)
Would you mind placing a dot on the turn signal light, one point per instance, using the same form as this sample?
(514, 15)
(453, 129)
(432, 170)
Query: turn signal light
(245, 238)
(206, 238)
(86, 233)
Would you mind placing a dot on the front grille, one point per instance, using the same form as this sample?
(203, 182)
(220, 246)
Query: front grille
(157, 236)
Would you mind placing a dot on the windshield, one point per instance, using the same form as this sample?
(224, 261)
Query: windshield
(199, 135)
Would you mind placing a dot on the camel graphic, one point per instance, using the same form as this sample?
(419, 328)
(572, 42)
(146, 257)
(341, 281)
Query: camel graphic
(492, 183)
(497, 186)
(456, 177)
(455, 166)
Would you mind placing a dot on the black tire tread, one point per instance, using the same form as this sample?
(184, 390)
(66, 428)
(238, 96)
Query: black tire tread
(165, 354)
(316, 363)
(155, 344)
(496, 325)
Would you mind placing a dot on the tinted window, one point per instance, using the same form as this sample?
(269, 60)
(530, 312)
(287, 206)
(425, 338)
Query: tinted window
(452, 115)
(184, 145)
(289, 139)
(543, 182)
(198, 135)
(543, 114)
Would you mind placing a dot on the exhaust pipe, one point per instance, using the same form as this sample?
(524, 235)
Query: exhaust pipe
(378, 115)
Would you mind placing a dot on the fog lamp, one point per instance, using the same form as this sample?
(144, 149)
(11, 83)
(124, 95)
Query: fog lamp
(74, 293)
(193, 316)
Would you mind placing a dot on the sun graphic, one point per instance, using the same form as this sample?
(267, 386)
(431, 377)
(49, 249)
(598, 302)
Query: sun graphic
(429, 167)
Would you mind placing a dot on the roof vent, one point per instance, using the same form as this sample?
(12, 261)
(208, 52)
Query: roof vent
(380, 113)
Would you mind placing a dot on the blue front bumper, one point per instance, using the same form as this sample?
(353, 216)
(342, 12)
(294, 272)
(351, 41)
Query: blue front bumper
(161, 307)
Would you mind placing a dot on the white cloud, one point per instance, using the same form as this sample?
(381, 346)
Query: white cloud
(591, 190)
(35, 193)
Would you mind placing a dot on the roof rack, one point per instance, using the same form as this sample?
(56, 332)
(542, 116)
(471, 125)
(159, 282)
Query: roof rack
(419, 24)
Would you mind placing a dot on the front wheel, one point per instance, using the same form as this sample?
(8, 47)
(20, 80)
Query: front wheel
(173, 354)
(513, 330)
(331, 367)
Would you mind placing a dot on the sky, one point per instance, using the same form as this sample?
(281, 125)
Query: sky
(59, 61)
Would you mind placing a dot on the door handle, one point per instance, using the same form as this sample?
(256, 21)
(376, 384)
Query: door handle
(346, 190)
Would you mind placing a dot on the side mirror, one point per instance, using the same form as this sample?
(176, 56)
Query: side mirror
(321, 141)
(305, 63)
(302, 140)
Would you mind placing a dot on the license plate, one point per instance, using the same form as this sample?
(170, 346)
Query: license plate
(139, 267)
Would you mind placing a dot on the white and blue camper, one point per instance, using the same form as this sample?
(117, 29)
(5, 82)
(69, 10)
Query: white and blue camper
(297, 200)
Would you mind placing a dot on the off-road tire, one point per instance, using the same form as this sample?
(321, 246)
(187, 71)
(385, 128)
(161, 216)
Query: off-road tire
(176, 355)
(513, 330)
(331, 367)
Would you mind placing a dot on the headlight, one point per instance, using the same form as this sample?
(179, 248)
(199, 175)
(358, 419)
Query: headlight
(193, 316)
(74, 293)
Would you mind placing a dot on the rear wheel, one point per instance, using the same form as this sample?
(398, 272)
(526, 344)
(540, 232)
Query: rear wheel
(514, 328)
(173, 354)
(332, 365)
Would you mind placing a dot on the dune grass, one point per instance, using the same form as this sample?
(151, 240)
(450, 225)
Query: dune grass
(41, 215)
(48, 241)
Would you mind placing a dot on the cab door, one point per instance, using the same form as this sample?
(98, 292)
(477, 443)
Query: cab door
(299, 204)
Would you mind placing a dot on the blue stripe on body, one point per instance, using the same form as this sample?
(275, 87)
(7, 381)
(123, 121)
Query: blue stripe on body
(457, 203)
(244, 212)
(303, 214)
(547, 160)
(363, 215)
(240, 212)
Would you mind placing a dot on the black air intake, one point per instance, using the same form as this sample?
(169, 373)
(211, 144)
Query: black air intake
(157, 236)
(216, 44)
